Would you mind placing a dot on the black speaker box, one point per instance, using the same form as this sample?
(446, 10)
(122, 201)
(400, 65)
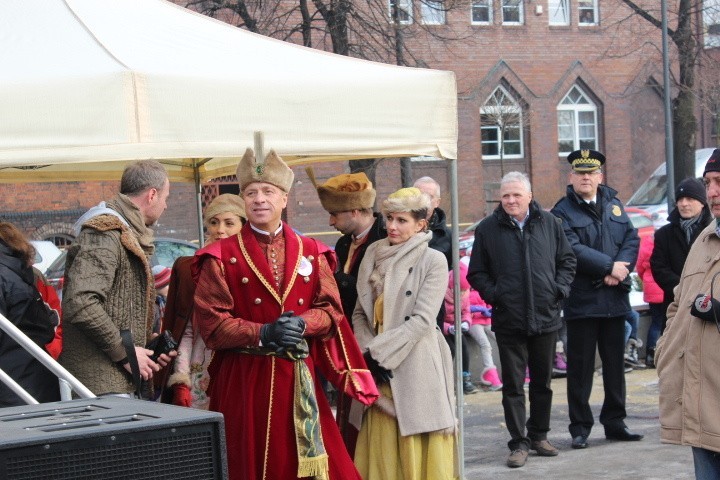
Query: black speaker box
(111, 438)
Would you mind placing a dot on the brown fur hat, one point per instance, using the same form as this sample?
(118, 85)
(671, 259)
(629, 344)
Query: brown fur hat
(273, 171)
(345, 192)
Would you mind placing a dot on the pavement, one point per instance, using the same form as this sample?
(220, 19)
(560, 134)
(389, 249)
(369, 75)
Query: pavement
(486, 439)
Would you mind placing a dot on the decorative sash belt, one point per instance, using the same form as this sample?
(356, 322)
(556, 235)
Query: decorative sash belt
(312, 457)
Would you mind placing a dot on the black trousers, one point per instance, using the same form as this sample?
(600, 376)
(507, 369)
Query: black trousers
(608, 334)
(537, 354)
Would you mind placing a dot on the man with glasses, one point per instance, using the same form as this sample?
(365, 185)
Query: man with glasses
(606, 246)
(688, 354)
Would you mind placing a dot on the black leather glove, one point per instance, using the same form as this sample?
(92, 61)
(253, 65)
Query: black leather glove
(285, 332)
(380, 374)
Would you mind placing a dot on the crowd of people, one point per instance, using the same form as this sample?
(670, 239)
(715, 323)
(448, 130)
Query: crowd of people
(267, 321)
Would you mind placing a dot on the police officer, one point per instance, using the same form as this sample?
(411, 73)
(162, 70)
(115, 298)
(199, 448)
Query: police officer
(606, 246)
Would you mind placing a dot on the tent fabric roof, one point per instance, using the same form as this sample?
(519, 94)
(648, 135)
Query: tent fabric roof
(103, 82)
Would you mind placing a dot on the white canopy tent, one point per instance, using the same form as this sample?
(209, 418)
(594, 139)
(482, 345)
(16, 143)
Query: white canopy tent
(89, 85)
(103, 81)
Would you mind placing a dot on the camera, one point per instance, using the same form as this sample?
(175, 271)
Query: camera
(162, 344)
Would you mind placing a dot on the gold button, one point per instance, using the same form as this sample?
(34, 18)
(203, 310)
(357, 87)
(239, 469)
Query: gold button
(257, 301)
(245, 280)
(301, 301)
(274, 260)
(233, 260)
(306, 279)
(272, 254)
(311, 258)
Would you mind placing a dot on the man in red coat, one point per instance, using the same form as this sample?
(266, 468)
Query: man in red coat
(267, 303)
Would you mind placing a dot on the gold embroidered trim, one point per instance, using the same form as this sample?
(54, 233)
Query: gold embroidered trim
(269, 417)
(261, 277)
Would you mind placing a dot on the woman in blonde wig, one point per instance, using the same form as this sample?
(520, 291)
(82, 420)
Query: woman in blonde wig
(401, 285)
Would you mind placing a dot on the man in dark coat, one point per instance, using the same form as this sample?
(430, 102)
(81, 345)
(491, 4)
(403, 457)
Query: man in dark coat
(606, 246)
(672, 245)
(522, 265)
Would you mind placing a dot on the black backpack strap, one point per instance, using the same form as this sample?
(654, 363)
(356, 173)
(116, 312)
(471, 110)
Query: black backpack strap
(132, 358)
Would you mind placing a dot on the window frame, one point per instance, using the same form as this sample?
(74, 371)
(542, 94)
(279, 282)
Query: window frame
(576, 109)
(582, 7)
(489, 6)
(515, 105)
(520, 6)
(405, 6)
(557, 4)
(426, 6)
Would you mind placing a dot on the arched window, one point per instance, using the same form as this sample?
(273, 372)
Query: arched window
(501, 121)
(577, 122)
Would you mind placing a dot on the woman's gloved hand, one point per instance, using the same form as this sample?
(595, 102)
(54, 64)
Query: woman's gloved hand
(379, 373)
(181, 395)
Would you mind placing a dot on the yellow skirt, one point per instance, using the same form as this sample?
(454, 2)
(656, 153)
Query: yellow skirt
(383, 454)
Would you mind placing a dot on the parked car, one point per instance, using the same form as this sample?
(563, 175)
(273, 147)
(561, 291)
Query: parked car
(466, 238)
(45, 254)
(651, 196)
(167, 250)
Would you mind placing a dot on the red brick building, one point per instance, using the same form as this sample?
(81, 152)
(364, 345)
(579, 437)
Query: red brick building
(566, 74)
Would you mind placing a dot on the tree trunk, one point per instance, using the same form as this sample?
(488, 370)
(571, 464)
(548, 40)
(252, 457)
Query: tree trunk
(684, 121)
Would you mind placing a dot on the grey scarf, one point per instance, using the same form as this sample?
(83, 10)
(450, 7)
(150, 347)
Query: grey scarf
(386, 255)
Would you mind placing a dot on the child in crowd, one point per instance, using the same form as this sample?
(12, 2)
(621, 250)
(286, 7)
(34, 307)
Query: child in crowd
(475, 317)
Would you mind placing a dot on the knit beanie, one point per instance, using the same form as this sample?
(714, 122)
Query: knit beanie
(161, 274)
(713, 163)
(692, 188)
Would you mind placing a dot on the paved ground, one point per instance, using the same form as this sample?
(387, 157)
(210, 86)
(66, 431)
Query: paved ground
(486, 440)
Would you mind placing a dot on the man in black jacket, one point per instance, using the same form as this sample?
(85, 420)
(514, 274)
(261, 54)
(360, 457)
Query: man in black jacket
(522, 265)
(672, 245)
(606, 246)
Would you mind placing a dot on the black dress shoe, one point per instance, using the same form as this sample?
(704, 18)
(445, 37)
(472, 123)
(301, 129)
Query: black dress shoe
(580, 441)
(623, 435)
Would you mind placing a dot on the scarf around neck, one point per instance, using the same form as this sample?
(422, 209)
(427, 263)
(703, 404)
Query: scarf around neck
(387, 255)
(131, 213)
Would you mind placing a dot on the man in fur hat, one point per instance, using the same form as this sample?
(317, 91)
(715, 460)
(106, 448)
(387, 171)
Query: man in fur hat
(267, 303)
(349, 199)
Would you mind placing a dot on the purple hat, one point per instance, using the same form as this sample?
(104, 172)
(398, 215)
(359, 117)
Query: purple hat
(713, 163)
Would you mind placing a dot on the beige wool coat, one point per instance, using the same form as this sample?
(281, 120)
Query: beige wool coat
(687, 355)
(411, 345)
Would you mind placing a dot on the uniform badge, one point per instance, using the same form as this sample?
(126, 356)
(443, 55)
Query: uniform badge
(305, 267)
(616, 211)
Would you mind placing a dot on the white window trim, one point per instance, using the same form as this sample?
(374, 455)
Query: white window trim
(557, 4)
(521, 10)
(576, 109)
(595, 15)
(490, 15)
(484, 111)
(425, 7)
(406, 5)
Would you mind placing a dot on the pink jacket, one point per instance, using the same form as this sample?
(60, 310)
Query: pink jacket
(464, 300)
(479, 318)
(652, 293)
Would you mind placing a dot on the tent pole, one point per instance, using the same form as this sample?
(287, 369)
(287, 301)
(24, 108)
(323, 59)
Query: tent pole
(454, 216)
(198, 200)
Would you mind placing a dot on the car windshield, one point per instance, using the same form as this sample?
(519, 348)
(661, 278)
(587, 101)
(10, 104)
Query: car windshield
(652, 192)
(166, 252)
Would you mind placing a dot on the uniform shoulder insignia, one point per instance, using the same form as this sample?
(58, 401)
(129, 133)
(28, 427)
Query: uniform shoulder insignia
(616, 210)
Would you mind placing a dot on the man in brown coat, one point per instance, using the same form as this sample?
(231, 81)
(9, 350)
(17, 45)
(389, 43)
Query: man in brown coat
(687, 355)
(109, 284)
